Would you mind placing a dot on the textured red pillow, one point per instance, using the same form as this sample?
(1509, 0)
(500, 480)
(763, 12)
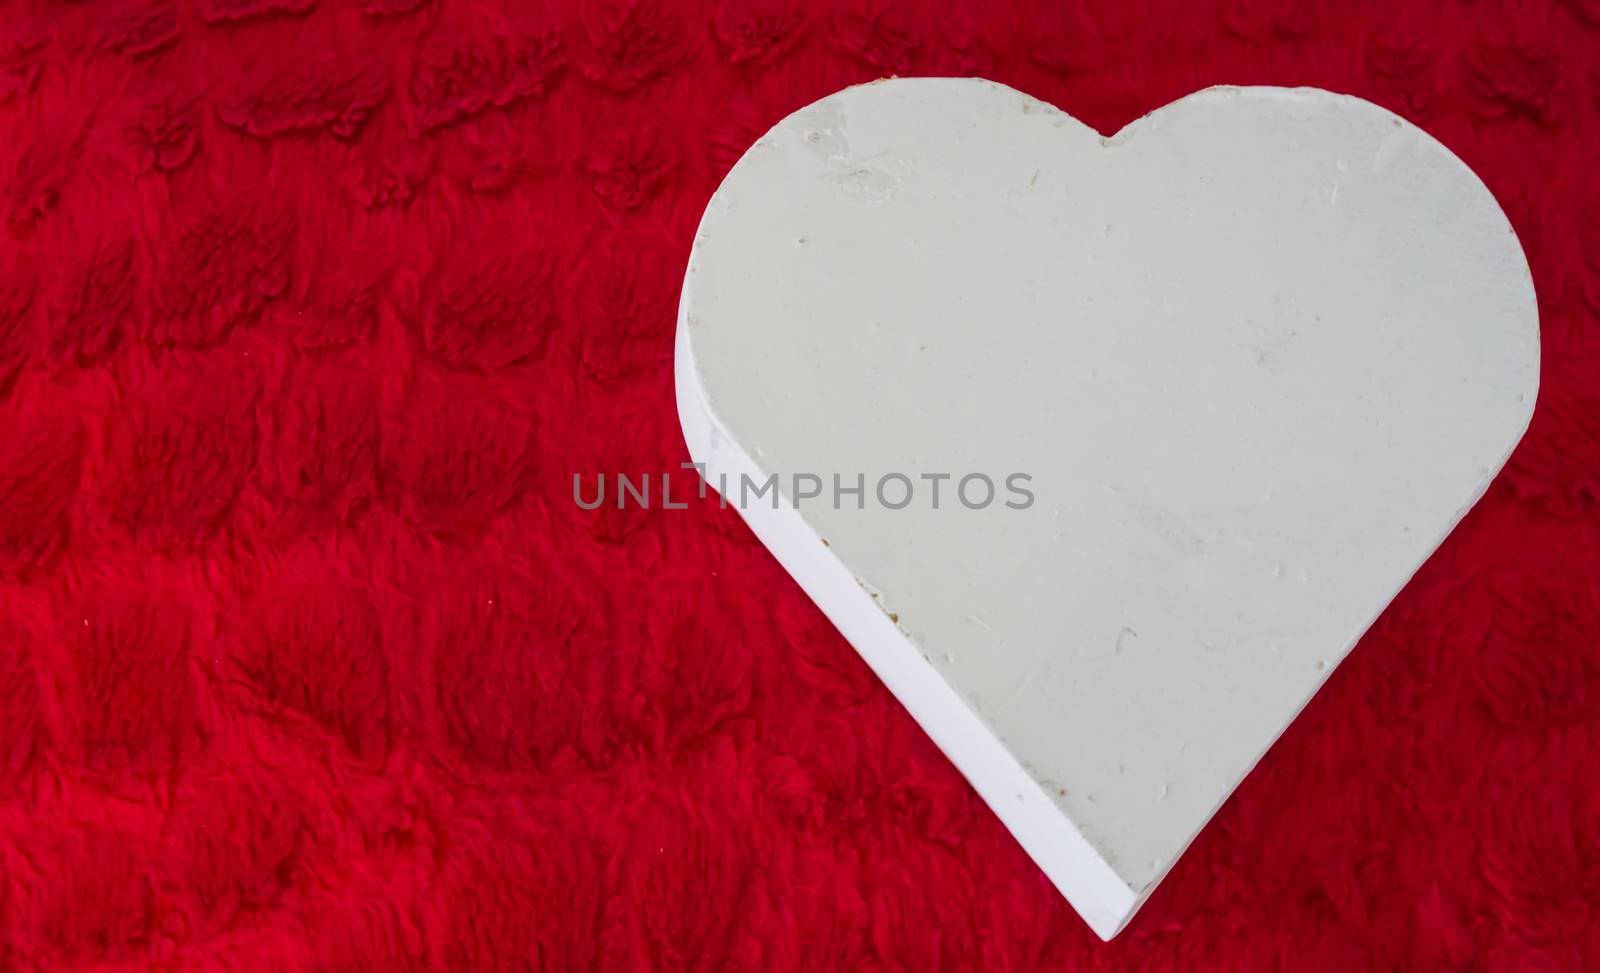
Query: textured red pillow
(310, 309)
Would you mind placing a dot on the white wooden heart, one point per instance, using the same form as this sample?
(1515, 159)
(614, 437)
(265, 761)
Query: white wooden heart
(1257, 354)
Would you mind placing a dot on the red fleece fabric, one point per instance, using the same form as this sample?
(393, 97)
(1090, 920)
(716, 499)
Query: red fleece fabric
(310, 310)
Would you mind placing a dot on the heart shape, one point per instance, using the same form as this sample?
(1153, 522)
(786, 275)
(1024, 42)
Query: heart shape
(1254, 356)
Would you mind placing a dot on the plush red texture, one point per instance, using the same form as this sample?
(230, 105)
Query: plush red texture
(309, 310)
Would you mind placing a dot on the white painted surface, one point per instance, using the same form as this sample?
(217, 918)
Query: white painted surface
(1259, 352)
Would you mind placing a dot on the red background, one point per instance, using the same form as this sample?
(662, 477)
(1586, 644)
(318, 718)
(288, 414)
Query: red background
(309, 309)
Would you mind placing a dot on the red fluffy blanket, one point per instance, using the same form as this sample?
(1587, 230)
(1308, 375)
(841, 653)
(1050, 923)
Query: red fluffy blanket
(310, 310)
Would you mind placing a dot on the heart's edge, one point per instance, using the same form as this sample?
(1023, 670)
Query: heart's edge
(1088, 881)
